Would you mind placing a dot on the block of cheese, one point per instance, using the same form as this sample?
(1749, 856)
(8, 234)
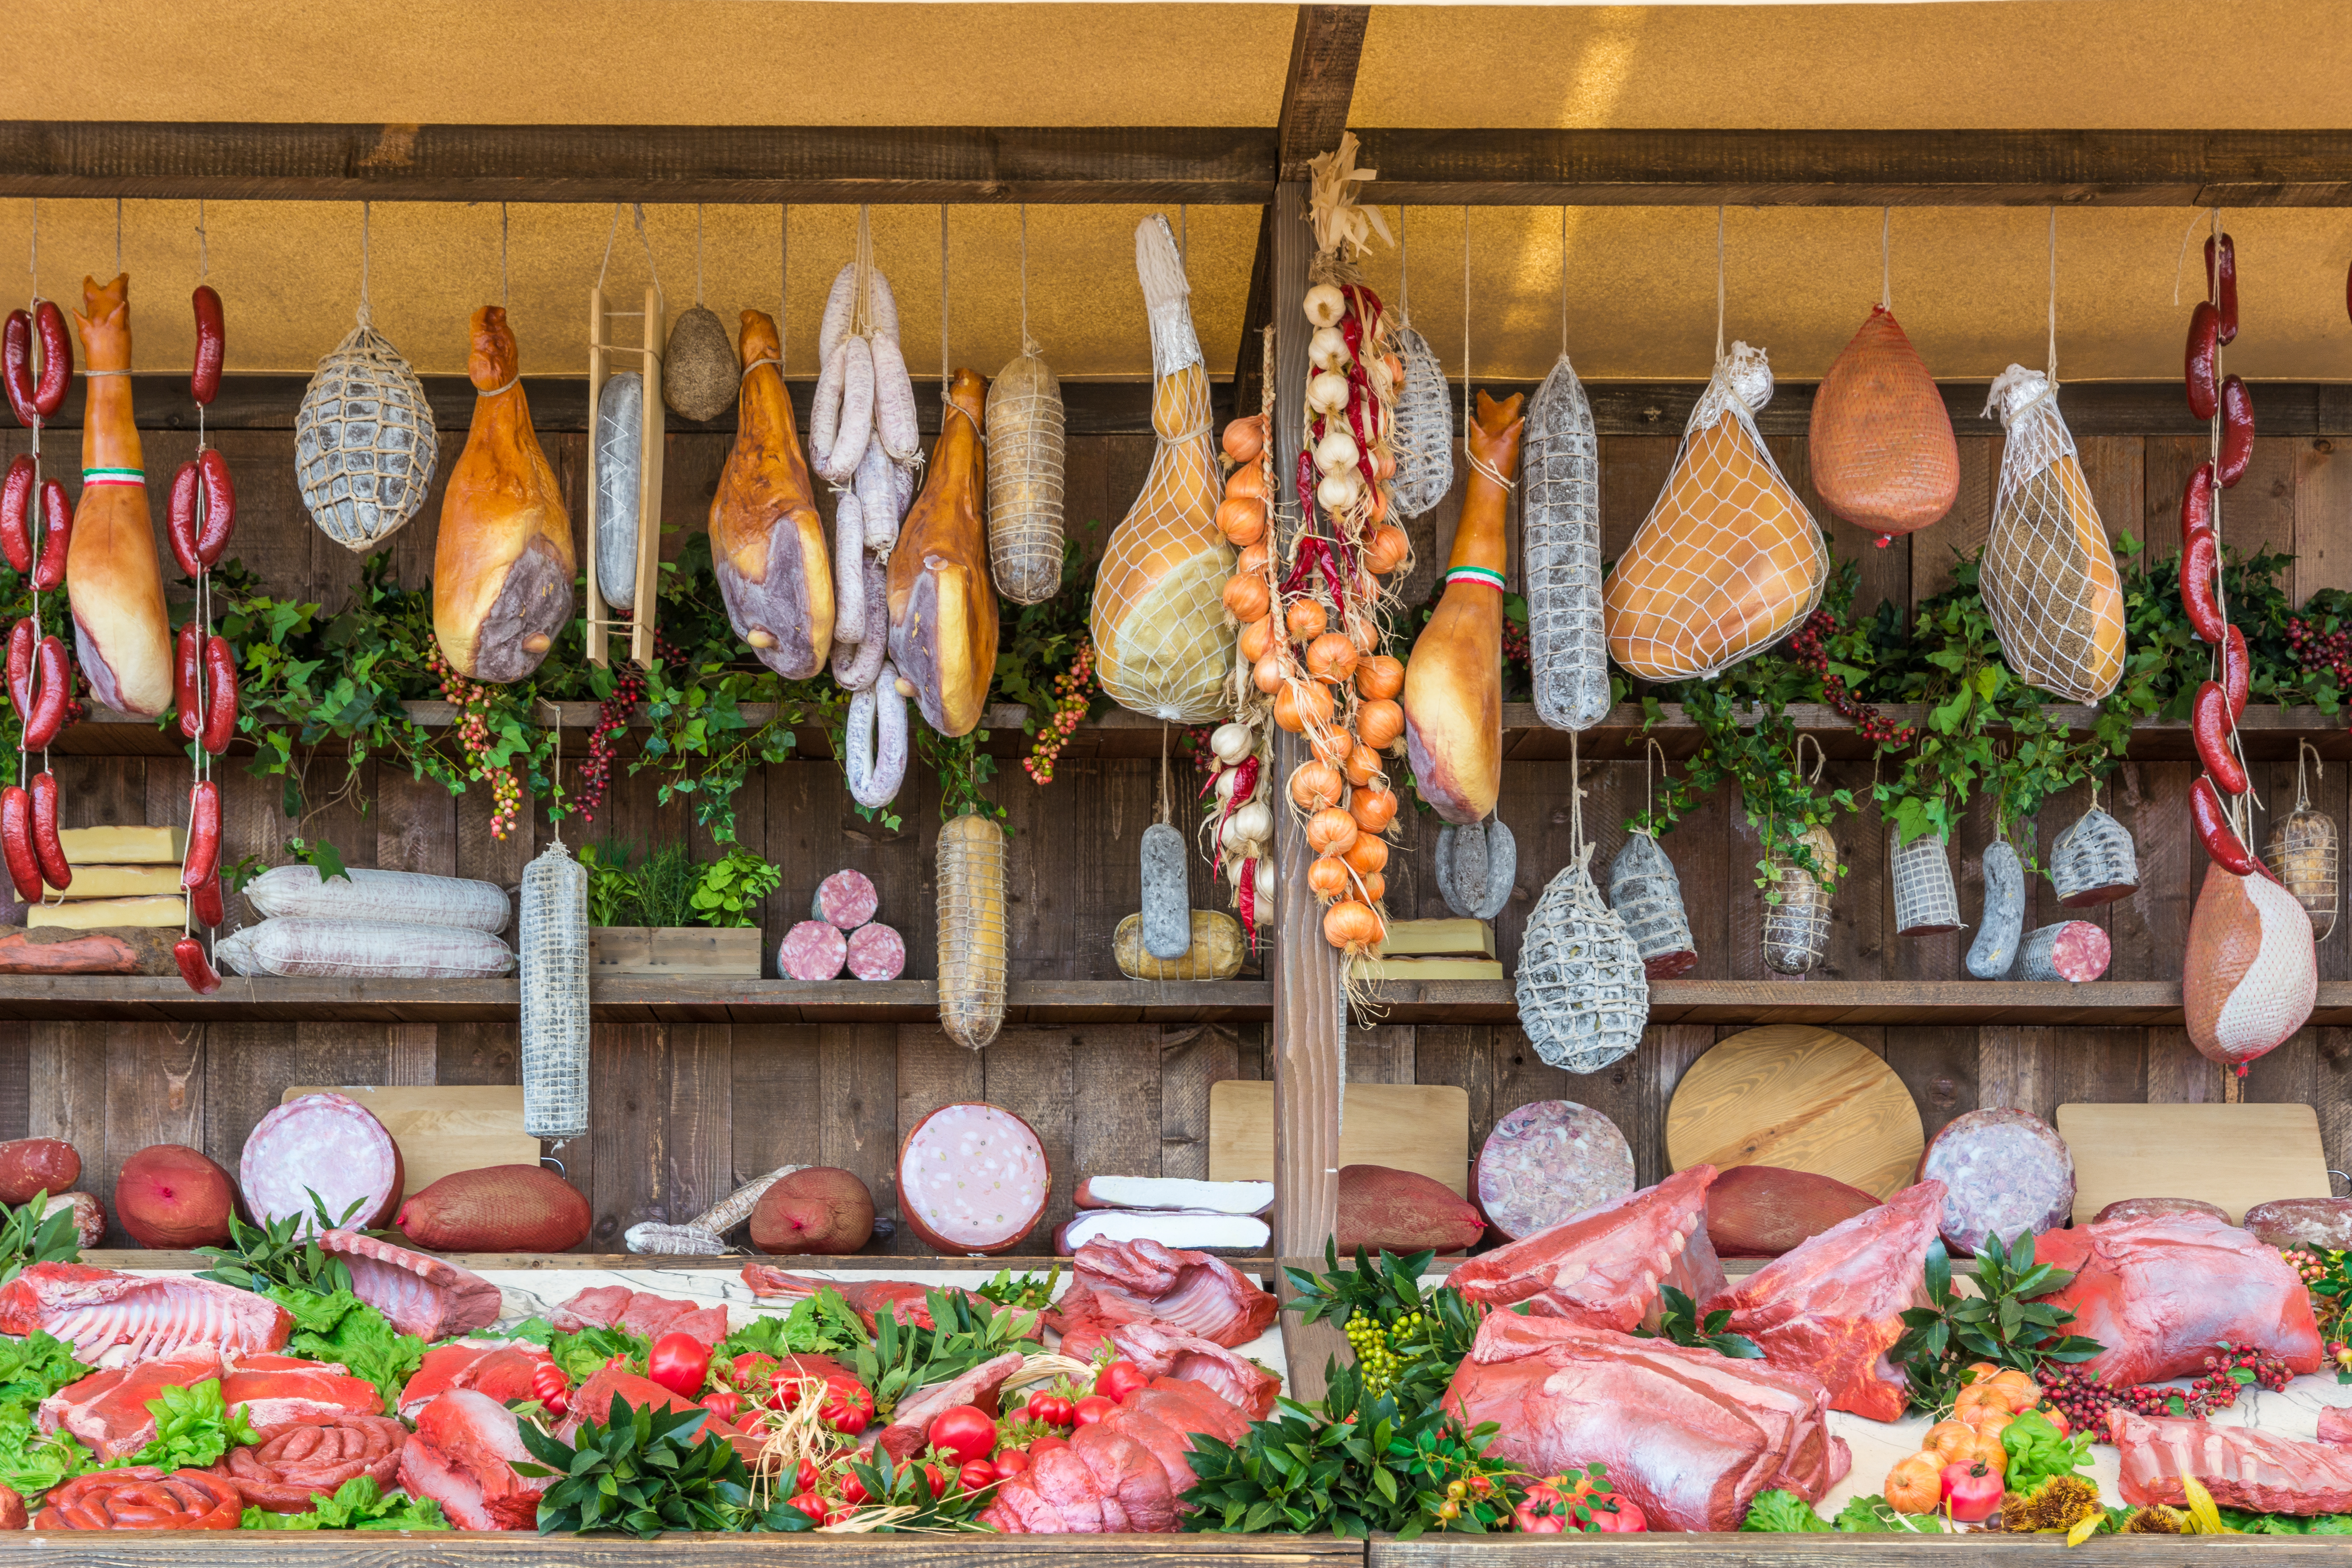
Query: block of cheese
(123, 845)
(120, 882)
(83, 914)
(1456, 939)
(1410, 970)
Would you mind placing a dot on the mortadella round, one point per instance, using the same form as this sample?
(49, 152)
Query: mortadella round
(974, 1178)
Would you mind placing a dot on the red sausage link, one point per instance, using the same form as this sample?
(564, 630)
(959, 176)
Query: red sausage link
(220, 694)
(204, 835)
(17, 843)
(180, 518)
(205, 901)
(2214, 832)
(194, 967)
(2237, 432)
(2200, 362)
(16, 514)
(2237, 673)
(220, 506)
(188, 648)
(56, 537)
(21, 639)
(47, 849)
(2200, 555)
(17, 366)
(2208, 724)
(57, 358)
(51, 689)
(2221, 284)
(212, 343)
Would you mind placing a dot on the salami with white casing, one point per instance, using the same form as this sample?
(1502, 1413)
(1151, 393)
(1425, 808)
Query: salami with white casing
(848, 569)
(855, 666)
(882, 497)
(812, 950)
(2004, 1172)
(874, 743)
(840, 304)
(894, 401)
(2251, 973)
(403, 898)
(974, 1178)
(856, 426)
(847, 900)
(1561, 542)
(1994, 952)
(876, 951)
(1546, 1162)
(325, 1143)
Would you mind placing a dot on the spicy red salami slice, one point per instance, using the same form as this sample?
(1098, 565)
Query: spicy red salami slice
(845, 899)
(974, 1178)
(1546, 1161)
(877, 952)
(812, 950)
(329, 1144)
(2004, 1172)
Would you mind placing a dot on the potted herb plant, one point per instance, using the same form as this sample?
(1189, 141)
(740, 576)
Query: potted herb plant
(672, 914)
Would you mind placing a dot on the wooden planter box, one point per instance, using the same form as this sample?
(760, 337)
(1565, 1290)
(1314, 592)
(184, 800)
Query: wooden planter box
(674, 950)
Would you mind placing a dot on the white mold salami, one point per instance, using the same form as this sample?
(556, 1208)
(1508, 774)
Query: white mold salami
(877, 952)
(2071, 949)
(1175, 1193)
(2004, 1172)
(325, 1143)
(368, 950)
(847, 900)
(401, 898)
(1546, 1160)
(974, 1178)
(812, 950)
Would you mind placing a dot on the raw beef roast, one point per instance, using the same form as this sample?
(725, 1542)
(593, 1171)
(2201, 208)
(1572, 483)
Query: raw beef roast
(424, 1296)
(463, 1456)
(1115, 1486)
(870, 1298)
(1603, 1268)
(2159, 1292)
(1135, 1281)
(1763, 1211)
(2241, 1468)
(499, 1368)
(108, 1410)
(114, 1320)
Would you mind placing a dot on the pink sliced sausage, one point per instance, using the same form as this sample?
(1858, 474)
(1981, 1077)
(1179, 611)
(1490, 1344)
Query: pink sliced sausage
(812, 950)
(974, 1178)
(2004, 1172)
(2071, 949)
(325, 1143)
(1549, 1159)
(845, 899)
(877, 952)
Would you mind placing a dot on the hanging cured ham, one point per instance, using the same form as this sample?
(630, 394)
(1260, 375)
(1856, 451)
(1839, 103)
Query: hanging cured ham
(767, 542)
(2250, 975)
(1728, 561)
(1880, 444)
(114, 584)
(2048, 576)
(1453, 681)
(502, 565)
(943, 605)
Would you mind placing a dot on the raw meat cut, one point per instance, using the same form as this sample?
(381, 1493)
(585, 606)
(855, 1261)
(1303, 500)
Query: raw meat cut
(499, 1368)
(108, 1410)
(593, 1400)
(1103, 1482)
(1239, 1234)
(1689, 1435)
(1402, 1212)
(1833, 1306)
(144, 1498)
(2335, 1425)
(498, 1208)
(113, 1319)
(1159, 1351)
(1880, 442)
(973, 1179)
(812, 950)
(427, 1297)
(2251, 973)
(1135, 1281)
(169, 1196)
(1763, 1211)
(907, 1303)
(325, 1144)
(641, 1313)
(876, 951)
(846, 898)
(908, 1431)
(2323, 1223)
(298, 1460)
(1548, 1161)
(1604, 1268)
(463, 1456)
(2159, 1291)
(1174, 1193)
(271, 1389)
(2241, 1466)
(2004, 1172)
(2141, 1208)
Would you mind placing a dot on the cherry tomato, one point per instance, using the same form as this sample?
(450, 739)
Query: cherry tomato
(1010, 1462)
(726, 1404)
(852, 1490)
(806, 1477)
(1543, 1510)
(1119, 1380)
(978, 1476)
(1093, 1408)
(935, 1480)
(847, 1408)
(816, 1507)
(1618, 1516)
(1052, 1409)
(679, 1363)
(755, 1374)
(553, 1389)
(964, 1433)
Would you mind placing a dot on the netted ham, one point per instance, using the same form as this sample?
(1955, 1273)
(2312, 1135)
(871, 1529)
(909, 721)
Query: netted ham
(1158, 616)
(500, 1368)
(1605, 1267)
(1763, 1211)
(1834, 1307)
(2048, 576)
(144, 1498)
(1689, 1435)
(428, 1297)
(640, 1313)
(311, 1457)
(1728, 561)
(2251, 973)
(463, 1456)
(2239, 1465)
(1880, 444)
(114, 1320)
(1138, 1281)
(2160, 1292)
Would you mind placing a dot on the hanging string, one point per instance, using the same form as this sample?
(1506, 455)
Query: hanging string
(1886, 259)
(698, 256)
(637, 212)
(1167, 789)
(945, 378)
(203, 253)
(783, 277)
(1028, 343)
(1649, 798)
(506, 290)
(1718, 283)
(1563, 282)
(1405, 273)
(1576, 851)
(1466, 327)
(118, 236)
(364, 313)
(2180, 261)
(1183, 236)
(2053, 295)
(606, 265)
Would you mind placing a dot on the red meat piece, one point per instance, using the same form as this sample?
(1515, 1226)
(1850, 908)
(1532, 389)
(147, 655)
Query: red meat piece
(1604, 1268)
(905, 1436)
(2241, 1467)
(594, 1307)
(275, 1389)
(1139, 1281)
(1763, 1211)
(1102, 1483)
(2160, 1291)
(108, 1410)
(463, 1456)
(1159, 1351)
(113, 1319)
(428, 1297)
(499, 1368)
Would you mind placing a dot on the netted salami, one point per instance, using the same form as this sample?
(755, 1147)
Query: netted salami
(1647, 895)
(877, 952)
(2071, 949)
(847, 900)
(812, 950)
(2004, 1172)
(1546, 1162)
(974, 1178)
(1560, 541)
(325, 1144)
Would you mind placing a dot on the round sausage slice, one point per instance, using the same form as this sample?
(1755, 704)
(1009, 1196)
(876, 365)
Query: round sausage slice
(974, 1178)
(329, 1144)
(2004, 1172)
(1546, 1160)
(846, 900)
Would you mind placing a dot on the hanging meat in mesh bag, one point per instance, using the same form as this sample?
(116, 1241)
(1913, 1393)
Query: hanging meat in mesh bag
(1583, 998)
(2049, 579)
(1423, 436)
(1561, 542)
(1728, 561)
(1648, 896)
(1881, 442)
(2251, 975)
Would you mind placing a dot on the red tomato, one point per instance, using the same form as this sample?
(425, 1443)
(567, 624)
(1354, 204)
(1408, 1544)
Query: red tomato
(679, 1363)
(1044, 1445)
(2056, 1417)
(934, 1480)
(809, 1503)
(1010, 1462)
(1617, 1515)
(1971, 1492)
(553, 1389)
(852, 1490)
(978, 1476)
(1093, 1408)
(1052, 1409)
(1541, 1514)
(847, 1408)
(1119, 1380)
(726, 1404)
(806, 1475)
(755, 1376)
(964, 1433)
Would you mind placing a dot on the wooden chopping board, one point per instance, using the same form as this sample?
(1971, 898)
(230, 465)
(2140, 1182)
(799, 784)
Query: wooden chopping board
(1422, 1127)
(2232, 1155)
(444, 1130)
(1799, 1098)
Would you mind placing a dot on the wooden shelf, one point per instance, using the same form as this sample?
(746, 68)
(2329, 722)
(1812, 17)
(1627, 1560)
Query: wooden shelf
(2123, 1003)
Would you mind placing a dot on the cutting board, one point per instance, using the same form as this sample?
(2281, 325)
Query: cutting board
(1799, 1098)
(2232, 1155)
(444, 1130)
(1422, 1127)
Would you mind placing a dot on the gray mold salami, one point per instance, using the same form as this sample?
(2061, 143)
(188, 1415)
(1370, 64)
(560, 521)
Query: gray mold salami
(877, 952)
(1994, 952)
(2071, 949)
(812, 950)
(2004, 1172)
(1546, 1160)
(1167, 896)
(845, 899)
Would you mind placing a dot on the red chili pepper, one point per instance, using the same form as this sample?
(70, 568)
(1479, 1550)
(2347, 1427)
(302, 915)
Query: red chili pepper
(1357, 397)
(17, 843)
(21, 640)
(56, 537)
(17, 366)
(204, 902)
(1246, 896)
(204, 382)
(2208, 724)
(53, 687)
(17, 513)
(220, 694)
(2214, 832)
(2198, 362)
(2237, 432)
(187, 648)
(2237, 673)
(1351, 331)
(48, 849)
(2221, 284)
(1245, 786)
(1306, 485)
(2200, 555)
(220, 506)
(204, 835)
(57, 358)
(180, 518)
(194, 967)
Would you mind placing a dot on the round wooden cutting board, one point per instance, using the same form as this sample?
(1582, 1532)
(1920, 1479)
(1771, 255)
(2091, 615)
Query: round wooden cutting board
(1802, 1099)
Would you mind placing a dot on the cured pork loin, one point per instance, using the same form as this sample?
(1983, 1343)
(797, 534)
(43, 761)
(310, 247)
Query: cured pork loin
(2241, 1468)
(1116, 1282)
(767, 542)
(1689, 1435)
(1604, 1268)
(943, 605)
(1763, 1211)
(122, 635)
(114, 1320)
(2160, 1291)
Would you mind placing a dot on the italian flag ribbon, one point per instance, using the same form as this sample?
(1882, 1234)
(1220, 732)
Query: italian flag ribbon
(90, 476)
(1486, 575)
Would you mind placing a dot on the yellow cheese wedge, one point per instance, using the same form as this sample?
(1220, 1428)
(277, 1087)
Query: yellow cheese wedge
(121, 882)
(1458, 939)
(1414, 970)
(124, 846)
(84, 915)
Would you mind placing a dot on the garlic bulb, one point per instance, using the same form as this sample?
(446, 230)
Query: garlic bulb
(1336, 453)
(1251, 824)
(1327, 350)
(1338, 491)
(1225, 783)
(1231, 743)
(1265, 909)
(1327, 393)
(1326, 305)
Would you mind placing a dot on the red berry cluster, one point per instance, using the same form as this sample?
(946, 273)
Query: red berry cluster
(1810, 647)
(613, 715)
(1073, 689)
(2083, 1398)
(1515, 642)
(2086, 1401)
(2319, 652)
(472, 699)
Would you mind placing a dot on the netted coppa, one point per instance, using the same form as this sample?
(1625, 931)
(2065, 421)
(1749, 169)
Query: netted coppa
(363, 441)
(1927, 901)
(2093, 862)
(2302, 854)
(1582, 996)
(1796, 926)
(1424, 435)
(1568, 645)
(1648, 896)
(554, 951)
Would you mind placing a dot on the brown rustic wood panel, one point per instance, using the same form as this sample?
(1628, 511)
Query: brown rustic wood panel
(701, 1163)
(15, 1079)
(1519, 1075)
(2176, 1073)
(858, 1071)
(2100, 1065)
(69, 1097)
(1030, 1072)
(1935, 549)
(1939, 1066)
(1665, 1055)
(154, 1094)
(2115, 468)
(2170, 460)
(1706, 859)
(2323, 518)
(1191, 1061)
(1633, 469)
(776, 1081)
(2017, 1068)
(247, 1069)
(1381, 1054)
(1461, 1055)
(628, 1143)
(1116, 1122)
(2149, 930)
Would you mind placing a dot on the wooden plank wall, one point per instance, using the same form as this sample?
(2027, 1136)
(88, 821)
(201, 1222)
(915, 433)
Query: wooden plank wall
(684, 1111)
